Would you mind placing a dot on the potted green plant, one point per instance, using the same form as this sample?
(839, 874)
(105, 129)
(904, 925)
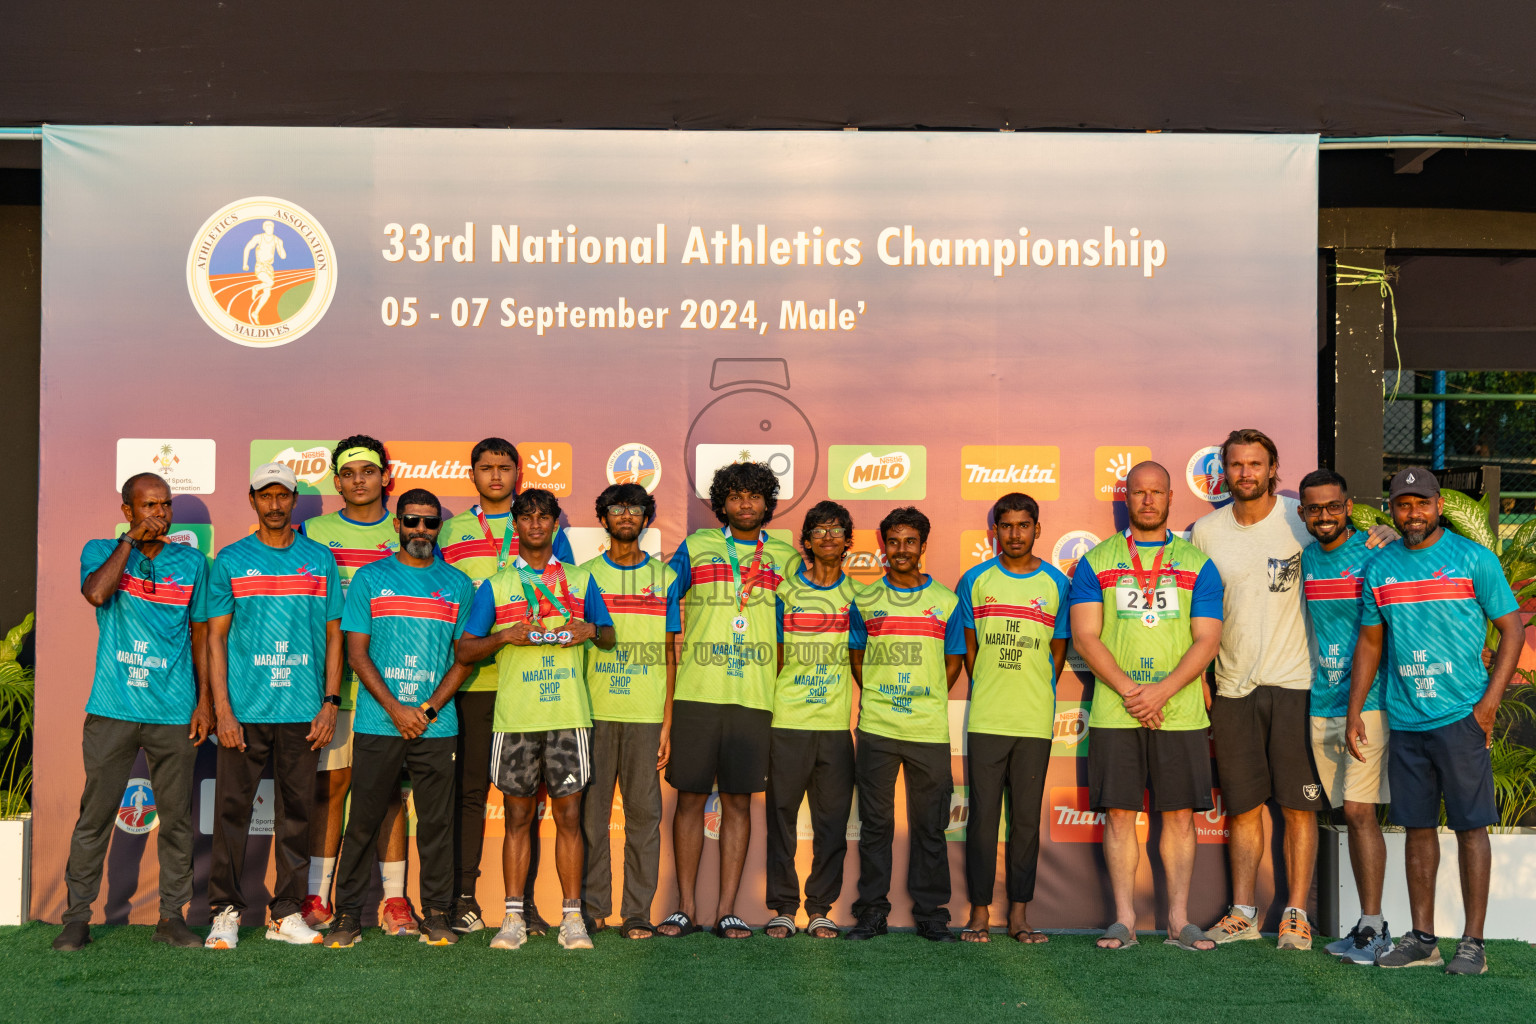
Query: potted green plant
(17, 693)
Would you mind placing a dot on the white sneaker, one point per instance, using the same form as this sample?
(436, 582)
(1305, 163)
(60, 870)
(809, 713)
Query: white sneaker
(293, 930)
(514, 932)
(573, 932)
(225, 933)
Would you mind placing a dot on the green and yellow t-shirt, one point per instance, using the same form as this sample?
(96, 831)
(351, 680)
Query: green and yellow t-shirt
(353, 545)
(629, 683)
(906, 682)
(1148, 635)
(1015, 618)
(730, 652)
(817, 628)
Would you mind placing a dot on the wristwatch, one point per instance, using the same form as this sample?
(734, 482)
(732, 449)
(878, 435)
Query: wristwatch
(430, 712)
(334, 699)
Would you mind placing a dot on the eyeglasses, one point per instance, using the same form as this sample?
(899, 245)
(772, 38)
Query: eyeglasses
(1333, 508)
(828, 531)
(631, 510)
(430, 522)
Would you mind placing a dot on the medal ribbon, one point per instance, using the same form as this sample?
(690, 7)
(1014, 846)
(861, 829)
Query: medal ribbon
(743, 592)
(507, 537)
(1147, 581)
(532, 582)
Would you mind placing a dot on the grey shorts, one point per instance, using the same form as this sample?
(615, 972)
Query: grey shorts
(561, 759)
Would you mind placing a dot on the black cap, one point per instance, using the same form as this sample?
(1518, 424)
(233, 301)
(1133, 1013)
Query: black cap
(1415, 480)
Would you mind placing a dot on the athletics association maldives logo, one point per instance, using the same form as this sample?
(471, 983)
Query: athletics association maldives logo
(1205, 475)
(261, 272)
(634, 463)
(136, 812)
(1073, 545)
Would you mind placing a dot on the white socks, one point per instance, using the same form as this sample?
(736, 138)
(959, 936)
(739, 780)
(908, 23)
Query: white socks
(322, 870)
(1251, 913)
(1301, 913)
(393, 873)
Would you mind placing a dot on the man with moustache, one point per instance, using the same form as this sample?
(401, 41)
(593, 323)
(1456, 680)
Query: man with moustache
(1148, 632)
(359, 533)
(1428, 600)
(480, 542)
(631, 689)
(1333, 581)
(722, 713)
(403, 616)
(150, 692)
(536, 617)
(1014, 610)
(912, 658)
(274, 654)
(1259, 717)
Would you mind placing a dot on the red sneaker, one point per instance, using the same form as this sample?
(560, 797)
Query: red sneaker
(397, 918)
(317, 913)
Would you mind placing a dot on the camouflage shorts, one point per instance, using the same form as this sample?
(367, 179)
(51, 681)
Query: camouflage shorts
(561, 759)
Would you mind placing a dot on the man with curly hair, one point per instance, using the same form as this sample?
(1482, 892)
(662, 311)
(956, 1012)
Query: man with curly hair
(723, 706)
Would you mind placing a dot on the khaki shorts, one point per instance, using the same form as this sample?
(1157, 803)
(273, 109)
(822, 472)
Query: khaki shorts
(1343, 777)
(338, 753)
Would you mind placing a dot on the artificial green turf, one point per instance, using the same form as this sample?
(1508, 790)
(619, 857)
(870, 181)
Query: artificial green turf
(122, 976)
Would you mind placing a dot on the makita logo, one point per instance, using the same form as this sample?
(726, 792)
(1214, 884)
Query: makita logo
(1066, 815)
(451, 469)
(870, 470)
(1010, 474)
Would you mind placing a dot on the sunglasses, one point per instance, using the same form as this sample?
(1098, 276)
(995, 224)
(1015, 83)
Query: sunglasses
(430, 522)
(147, 574)
(620, 510)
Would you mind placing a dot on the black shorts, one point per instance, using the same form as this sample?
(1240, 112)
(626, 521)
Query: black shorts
(561, 759)
(1124, 763)
(1450, 763)
(722, 746)
(1264, 749)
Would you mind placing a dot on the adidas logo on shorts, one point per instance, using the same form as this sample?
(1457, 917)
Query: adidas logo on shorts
(569, 779)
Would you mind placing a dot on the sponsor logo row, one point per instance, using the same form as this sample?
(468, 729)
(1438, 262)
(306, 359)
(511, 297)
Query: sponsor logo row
(854, 472)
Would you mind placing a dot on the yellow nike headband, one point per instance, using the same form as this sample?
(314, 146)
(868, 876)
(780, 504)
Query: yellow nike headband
(359, 455)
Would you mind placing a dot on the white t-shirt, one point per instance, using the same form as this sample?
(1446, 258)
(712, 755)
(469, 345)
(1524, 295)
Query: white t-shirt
(1264, 636)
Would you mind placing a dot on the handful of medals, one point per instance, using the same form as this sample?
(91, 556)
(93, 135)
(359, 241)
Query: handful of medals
(550, 637)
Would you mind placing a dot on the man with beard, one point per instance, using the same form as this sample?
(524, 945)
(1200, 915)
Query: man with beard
(1333, 578)
(631, 688)
(913, 656)
(359, 533)
(274, 654)
(1014, 609)
(536, 616)
(1148, 632)
(1263, 676)
(150, 691)
(402, 618)
(821, 640)
(480, 542)
(723, 711)
(1433, 594)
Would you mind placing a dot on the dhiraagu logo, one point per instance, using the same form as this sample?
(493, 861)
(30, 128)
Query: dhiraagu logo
(863, 472)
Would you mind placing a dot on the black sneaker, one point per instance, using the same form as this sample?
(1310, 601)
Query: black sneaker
(536, 924)
(869, 924)
(466, 916)
(1470, 957)
(76, 935)
(935, 931)
(345, 932)
(435, 930)
(1411, 951)
(173, 931)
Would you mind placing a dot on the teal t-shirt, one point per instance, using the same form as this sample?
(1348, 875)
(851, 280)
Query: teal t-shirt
(279, 601)
(144, 634)
(1436, 602)
(412, 618)
(1332, 586)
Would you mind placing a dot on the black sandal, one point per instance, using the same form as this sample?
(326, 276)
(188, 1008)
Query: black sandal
(682, 922)
(637, 924)
(729, 923)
